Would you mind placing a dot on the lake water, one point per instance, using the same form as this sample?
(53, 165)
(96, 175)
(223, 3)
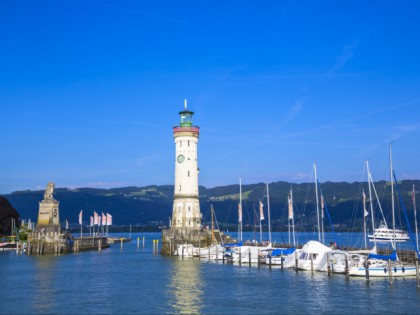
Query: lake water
(133, 280)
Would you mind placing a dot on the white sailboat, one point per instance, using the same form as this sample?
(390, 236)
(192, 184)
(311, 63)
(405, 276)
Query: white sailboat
(383, 233)
(382, 265)
(285, 256)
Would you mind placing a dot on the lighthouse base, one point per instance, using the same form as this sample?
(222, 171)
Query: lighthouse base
(171, 238)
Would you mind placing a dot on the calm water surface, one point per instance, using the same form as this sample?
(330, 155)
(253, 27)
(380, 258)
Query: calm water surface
(132, 280)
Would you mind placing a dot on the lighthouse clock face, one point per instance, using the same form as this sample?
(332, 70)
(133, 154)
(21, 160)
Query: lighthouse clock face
(180, 158)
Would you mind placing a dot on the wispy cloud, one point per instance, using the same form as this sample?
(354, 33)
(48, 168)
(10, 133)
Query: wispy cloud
(346, 55)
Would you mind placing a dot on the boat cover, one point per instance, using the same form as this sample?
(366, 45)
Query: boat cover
(392, 257)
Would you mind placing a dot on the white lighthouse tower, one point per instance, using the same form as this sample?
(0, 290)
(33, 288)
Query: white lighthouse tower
(186, 215)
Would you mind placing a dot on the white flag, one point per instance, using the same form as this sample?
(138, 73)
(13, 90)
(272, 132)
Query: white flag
(290, 202)
(95, 218)
(239, 212)
(103, 219)
(261, 211)
(91, 221)
(80, 217)
(108, 219)
(365, 213)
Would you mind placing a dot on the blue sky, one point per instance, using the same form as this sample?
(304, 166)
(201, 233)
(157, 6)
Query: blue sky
(90, 90)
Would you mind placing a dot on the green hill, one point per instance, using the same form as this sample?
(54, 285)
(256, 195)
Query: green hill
(152, 205)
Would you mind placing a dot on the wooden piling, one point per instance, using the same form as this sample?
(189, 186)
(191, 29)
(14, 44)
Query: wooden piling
(312, 262)
(389, 271)
(367, 269)
(346, 261)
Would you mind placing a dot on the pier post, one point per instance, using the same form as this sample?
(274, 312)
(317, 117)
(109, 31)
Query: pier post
(199, 249)
(328, 264)
(138, 242)
(312, 262)
(100, 244)
(367, 269)
(240, 256)
(143, 241)
(157, 246)
(281, 260)
(417, 274)
(296, 261)
(217, 252)
(259, 255)
(28, 247)
(390, 271)
(346, 261)
(121, 240)
(249, 256)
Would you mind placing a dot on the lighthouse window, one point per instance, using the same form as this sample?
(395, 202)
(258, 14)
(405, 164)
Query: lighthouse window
(189, 208)
(180, 143)
(188, 173)
(188, 142)
(179, 187)
(189, 222)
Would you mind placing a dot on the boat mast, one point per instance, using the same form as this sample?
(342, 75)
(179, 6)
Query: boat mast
(371, 202)
(392, 192)
(240, 209)
(291, 217)
(212, 224)
(415, 217)
(261, 218)
(268, 213)
(364, 217)
(317, 205)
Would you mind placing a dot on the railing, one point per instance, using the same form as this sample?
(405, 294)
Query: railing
(188, 129)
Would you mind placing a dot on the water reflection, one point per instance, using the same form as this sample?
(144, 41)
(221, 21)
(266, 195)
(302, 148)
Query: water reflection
(45, 284)
(186, 287)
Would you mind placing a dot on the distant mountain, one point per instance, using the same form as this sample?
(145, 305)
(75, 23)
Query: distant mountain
(152, 205)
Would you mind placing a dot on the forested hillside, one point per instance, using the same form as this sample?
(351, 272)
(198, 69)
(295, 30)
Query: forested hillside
(152, 205)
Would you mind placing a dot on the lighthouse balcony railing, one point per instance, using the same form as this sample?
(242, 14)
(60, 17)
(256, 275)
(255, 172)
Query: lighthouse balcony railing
(183, 129)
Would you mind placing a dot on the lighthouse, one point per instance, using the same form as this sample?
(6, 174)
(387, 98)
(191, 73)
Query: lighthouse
(186, 215)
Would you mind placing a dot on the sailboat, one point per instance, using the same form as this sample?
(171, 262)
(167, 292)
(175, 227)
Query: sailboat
(382, 265)
(244, 253)
(383, 233)
(215, 251)
(285, 256)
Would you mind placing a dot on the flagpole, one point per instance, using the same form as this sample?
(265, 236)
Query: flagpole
(415, 217)
(268, 213)
(260, 223)
(364, 217)
(293, 218)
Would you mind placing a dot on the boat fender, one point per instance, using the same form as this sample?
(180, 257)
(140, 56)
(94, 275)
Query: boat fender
(403, 269)
(395, 269)
(385, 270)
